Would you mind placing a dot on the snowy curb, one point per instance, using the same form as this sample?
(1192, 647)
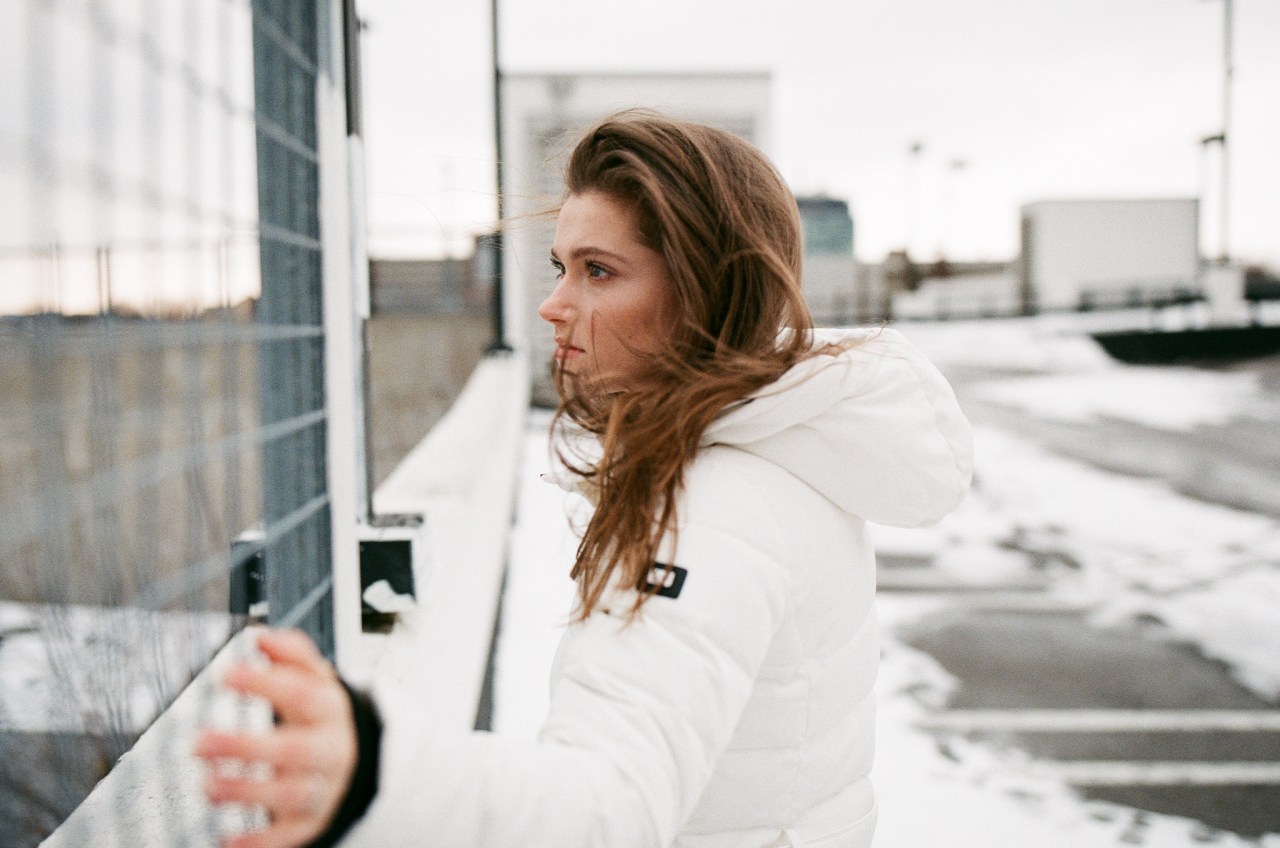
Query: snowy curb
(153, 796)
(462, 479)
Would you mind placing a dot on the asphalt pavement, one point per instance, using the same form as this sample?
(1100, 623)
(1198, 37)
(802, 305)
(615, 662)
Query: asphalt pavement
(1235, 464)
(1118, 713)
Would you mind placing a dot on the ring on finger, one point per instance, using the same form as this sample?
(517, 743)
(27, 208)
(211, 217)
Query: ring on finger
(315, 796)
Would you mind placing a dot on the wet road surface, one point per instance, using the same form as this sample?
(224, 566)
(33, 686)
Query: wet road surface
(1124, 715)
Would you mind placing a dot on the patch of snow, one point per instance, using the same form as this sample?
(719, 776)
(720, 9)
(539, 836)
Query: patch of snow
(383, 598)
(83, 669)
(1044, 344)
(539, 594)
(1169, 398)
(1232, 618)
(979, 564)
(1134, 546)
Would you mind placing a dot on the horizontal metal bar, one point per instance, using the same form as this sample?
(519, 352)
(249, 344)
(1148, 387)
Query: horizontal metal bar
(285, 139)
(286, 524)
(111, 336)
(103, 182)
(268, 27)
(166, 591)
(245, 234)
(1104, 721)
(300, 610)
(111, 32)
(271, 232)
(48, 512)
(1127, 773)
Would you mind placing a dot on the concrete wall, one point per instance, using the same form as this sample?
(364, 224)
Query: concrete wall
(421, 285)
(418, 365)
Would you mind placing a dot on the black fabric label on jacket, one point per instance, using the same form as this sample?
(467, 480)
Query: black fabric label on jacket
(667, 580)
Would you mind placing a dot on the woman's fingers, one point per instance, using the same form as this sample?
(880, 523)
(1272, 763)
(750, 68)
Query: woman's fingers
(299, 795)
(302, 791)
(309, 754)
(283, 834)
(295, 648)
(296, 694)
(285, 749)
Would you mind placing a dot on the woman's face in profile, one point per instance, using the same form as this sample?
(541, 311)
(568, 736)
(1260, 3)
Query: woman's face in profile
(614, 300)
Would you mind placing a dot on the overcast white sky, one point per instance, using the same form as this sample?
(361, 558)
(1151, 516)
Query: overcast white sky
(1041, 99)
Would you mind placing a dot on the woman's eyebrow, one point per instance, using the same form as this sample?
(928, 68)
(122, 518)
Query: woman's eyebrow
(588, 250)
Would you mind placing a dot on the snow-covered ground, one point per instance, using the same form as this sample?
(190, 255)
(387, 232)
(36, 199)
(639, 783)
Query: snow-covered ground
(1131, 546)
(1048, 368)
(98, 670)
(1122, 546)
(1126, 548)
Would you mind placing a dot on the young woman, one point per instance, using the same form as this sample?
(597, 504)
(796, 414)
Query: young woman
(715, 688)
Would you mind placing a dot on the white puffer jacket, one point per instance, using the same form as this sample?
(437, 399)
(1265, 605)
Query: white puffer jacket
(737, 710)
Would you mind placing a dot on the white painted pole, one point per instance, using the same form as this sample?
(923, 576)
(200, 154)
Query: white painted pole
(1228, 72)
(343, 399)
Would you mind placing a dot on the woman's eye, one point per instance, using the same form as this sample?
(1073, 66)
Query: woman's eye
(559, 269)
(595, 270)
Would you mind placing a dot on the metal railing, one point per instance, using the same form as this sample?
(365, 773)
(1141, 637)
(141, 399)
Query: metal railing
(163, 422)
(296, 562)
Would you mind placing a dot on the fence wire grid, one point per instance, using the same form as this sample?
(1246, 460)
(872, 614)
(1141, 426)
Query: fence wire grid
(162, 416)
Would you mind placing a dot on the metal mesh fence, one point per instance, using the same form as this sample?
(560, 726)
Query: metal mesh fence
(162, 424)
(296, 551)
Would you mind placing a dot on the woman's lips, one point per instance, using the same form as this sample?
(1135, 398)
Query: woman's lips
(565, 352)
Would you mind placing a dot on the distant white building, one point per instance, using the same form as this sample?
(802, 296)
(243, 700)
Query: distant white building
(830, 270)
(989, 294)
(1076, 255)
(542, 115)
(1083, 254)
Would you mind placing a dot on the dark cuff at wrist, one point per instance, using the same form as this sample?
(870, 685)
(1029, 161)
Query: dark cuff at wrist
(364, 782)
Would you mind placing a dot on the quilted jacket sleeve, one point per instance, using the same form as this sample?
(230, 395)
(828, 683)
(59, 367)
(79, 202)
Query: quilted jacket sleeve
(640, 714)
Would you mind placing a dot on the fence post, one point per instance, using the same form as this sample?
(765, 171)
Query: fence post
(344, 379)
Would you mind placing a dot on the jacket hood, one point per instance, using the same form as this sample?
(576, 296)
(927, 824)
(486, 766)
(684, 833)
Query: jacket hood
(876, 429)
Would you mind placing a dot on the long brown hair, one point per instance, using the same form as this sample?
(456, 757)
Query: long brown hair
(729, 230)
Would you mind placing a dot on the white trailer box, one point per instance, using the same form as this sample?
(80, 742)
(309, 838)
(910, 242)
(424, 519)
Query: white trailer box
(1103, 253)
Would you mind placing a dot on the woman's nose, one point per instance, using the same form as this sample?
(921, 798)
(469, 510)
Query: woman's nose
(556, 307)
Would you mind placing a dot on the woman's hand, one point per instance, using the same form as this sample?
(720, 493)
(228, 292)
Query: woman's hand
(310, 753)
